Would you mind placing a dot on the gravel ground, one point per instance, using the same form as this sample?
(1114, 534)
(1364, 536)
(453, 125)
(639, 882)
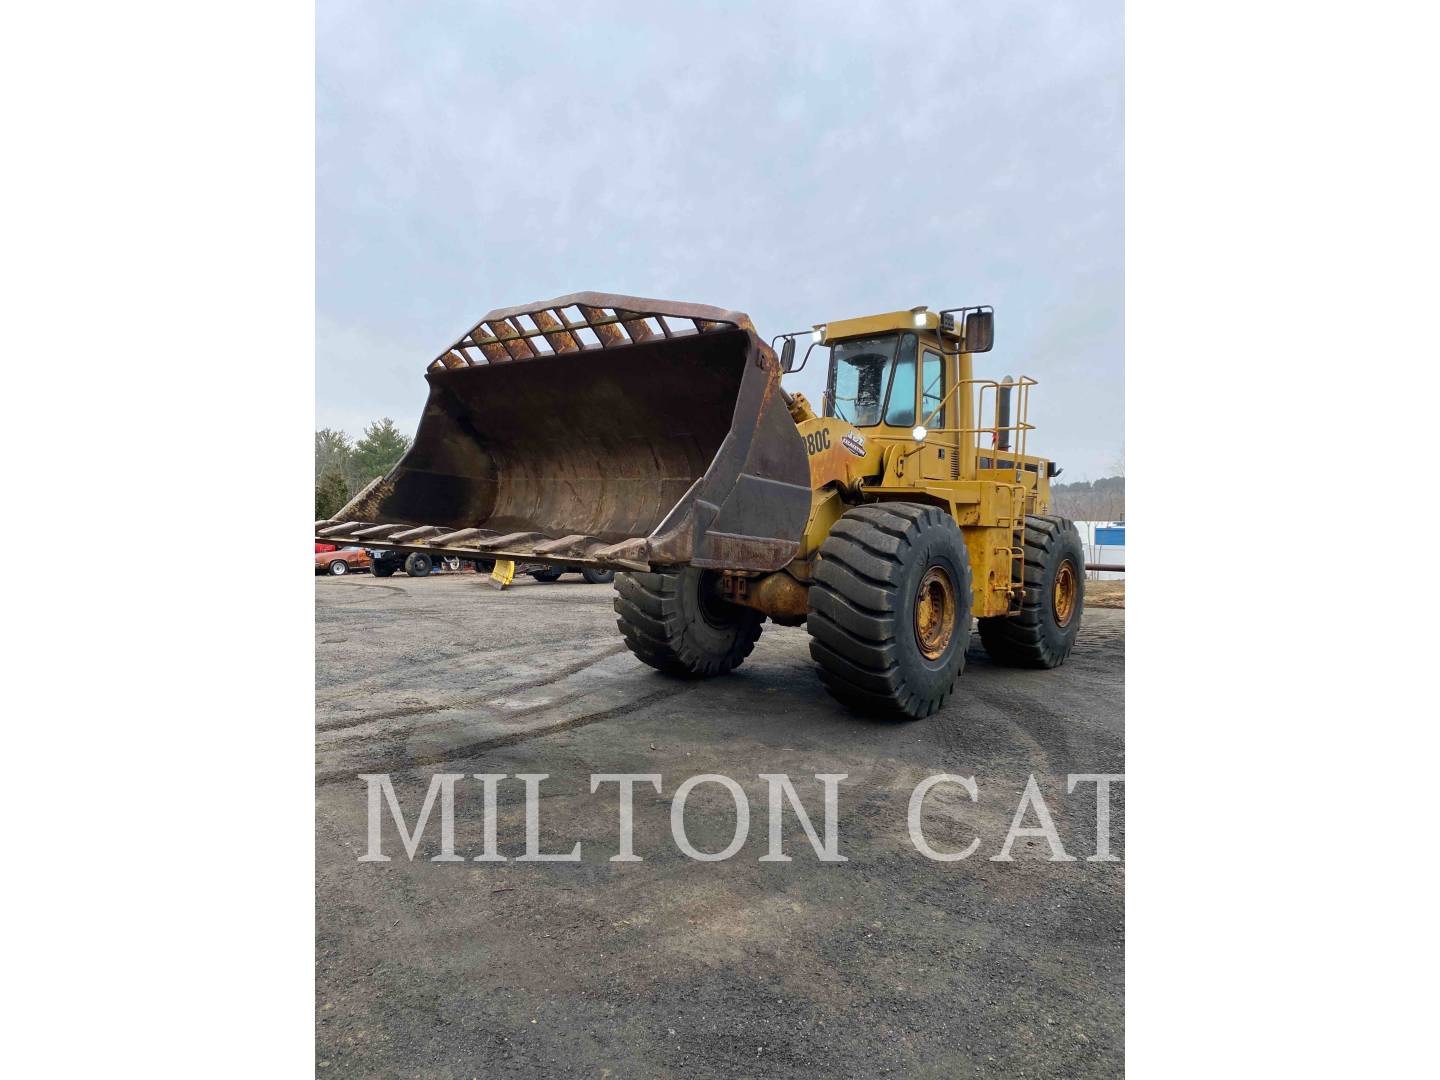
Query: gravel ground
(887, 964)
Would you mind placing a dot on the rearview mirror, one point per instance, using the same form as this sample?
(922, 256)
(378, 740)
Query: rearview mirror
(787, 354)
(979, 331)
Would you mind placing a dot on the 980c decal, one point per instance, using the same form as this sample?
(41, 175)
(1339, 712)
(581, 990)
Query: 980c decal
(818, 441)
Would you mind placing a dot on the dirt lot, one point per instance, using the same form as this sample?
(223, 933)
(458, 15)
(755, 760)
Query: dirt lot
(887, 964)
(1105, 594)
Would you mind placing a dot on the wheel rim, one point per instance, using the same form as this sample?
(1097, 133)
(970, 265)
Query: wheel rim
(1067, 589)
(935, 613)
(713, 609)
(338, 568)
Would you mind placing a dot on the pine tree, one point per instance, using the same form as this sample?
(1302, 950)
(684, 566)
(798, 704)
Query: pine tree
(330, 494)
(378, 450)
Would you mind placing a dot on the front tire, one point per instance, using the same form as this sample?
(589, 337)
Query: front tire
(417, 565)
(382, 569)
(677, 624)
(339, 568)
(889, 613)
(1042, 634)
(598, 577)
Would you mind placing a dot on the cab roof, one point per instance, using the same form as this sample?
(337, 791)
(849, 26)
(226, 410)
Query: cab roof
(919, 318)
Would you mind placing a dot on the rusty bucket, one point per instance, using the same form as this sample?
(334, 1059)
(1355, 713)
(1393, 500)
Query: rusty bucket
(602, 430)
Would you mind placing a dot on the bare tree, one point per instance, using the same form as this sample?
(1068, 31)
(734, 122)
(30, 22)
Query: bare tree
(1102, 500)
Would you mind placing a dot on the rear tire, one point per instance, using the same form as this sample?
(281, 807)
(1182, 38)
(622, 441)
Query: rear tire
(598, 577)
(550, 573)
(676, 623)
(1042, 634)
(382, 569)
(417, 565)
(339, 568)
(890, 609)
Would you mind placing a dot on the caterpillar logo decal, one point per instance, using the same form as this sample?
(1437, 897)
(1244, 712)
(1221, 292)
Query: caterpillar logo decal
(854, 442)
(817, 441)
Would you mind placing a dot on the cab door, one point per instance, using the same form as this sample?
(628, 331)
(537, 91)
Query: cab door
(937, 455)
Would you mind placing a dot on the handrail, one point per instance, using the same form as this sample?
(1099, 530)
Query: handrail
(1019, 428)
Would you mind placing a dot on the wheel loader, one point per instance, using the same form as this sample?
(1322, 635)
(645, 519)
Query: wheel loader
(653, 438)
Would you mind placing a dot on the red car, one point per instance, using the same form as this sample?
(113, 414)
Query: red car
(345, 561)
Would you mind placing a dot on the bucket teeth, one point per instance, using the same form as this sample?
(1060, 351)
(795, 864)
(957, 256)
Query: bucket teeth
(422, 532)
(591, 550)
(510, 541)
(454, 539)
(575, 544)
(376, 532)
(630, 554)
(335, 530)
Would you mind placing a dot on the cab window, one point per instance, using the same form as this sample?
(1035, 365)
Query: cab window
(862, 371)
(932, 382)
(859, 372)
(901, 411)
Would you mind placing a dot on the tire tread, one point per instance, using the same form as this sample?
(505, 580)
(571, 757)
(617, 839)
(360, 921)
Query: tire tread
(653, 623)
(1018, 639)
(855, 604)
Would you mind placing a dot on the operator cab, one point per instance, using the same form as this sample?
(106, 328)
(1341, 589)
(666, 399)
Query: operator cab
(872, 381)
(906, 377)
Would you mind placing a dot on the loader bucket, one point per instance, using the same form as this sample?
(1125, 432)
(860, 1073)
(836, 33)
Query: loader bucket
(600, 430)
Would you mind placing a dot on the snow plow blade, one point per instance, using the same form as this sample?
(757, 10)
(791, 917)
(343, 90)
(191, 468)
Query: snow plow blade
(597, 430)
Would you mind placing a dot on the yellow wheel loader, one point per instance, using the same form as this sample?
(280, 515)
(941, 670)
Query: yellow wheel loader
(653, 438)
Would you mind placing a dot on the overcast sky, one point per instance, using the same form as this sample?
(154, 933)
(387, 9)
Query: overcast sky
(798, 161)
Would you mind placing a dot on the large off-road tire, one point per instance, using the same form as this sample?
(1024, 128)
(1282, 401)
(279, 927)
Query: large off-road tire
(417, 565)
(598, 577)
(676, 622)
(339, 568)
(550, 573)
(382, 569)
(1042, 633)
(890, 609)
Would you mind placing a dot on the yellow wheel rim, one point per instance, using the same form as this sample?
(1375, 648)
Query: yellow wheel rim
(935, 613)
(1067, 591)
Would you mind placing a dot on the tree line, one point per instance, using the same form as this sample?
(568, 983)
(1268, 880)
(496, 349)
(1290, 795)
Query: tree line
(1084, 500)
(343, 466)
